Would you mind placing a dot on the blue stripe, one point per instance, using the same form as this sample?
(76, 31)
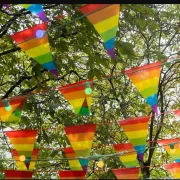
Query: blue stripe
(49, 65)
(177, 160)
(35, 8)
(83, 162)
(110, 43)
(140, 149)
(152, 100)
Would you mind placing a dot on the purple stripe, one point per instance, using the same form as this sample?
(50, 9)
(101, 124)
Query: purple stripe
(155, 109)
(141, 156)
(111, 53)
(54, 72)
(42, 15)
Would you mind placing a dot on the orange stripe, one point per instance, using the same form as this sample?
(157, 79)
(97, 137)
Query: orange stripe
(128, 176)
(81, 137)
(27, 140)
(135, 127)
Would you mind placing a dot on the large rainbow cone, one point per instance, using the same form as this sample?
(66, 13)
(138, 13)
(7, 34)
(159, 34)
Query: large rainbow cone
(129, 159)
(105, 20)
(72, 174)
(126, 173)
(75, 94)
(174, 169)
(136, 130)
(14, 115)
(146, 80)
(175, 152)
(13, 174)
(35, 9)
(81, 138)
(23, 141)
(37, 48)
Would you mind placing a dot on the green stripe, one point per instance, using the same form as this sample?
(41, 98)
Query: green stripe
(25, 153)
(76, 168)
(138, 141)
(84, 152)
(84, 111)
(130, 163)
(107, 35)
(149, 91)
(44, 58)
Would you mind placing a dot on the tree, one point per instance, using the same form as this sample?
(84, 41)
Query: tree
(147, 33)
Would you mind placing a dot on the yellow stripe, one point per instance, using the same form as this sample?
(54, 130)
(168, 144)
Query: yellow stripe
(77, 102)
(74, 163)
(176, 175)
(81, 137)
(29, 140)
(32, 165)
(136, 134)
(107, 24)
(127, 158)
(81, 145)
(24, 147)
(21, 165)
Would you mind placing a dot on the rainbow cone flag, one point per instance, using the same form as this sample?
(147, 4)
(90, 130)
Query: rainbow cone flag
(75, 174)
(81, 138)
(35, 9)
(136, 130)
(146, 80)
(175, 152)
(37, 48)
(75, 94)
(130, 158)
(23, 141)
(174, 169)
(105, 19)
(126, 173)
(14, 115)
(13, 174)
(26, 165)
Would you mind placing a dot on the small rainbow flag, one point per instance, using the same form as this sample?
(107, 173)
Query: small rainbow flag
(72, 174)
(35, 9)
(126, 173)
(175, 153)
(13, 174)
(146, 80)
(75, 94)
(130, 158)
(37, 48)
(136, 130)
(105, 19)
(26, 165)
(174, 169)
(14, 115)
(23, 141)
(81, 138)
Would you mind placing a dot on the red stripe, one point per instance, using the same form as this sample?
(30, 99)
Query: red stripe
(13, 173)
(21, 133)
(69, 150)
(80, 129)
(14, 152)
(167, 141)
(28, 33)
(88, 8)
(35, 152)
(123, 147)
(12, 101)
(173, 165)
(71, 173)
(126, 171)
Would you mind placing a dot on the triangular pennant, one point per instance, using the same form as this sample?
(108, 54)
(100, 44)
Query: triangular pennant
(105, 19)
(13, 174)
(174, 169)
(136, 130)
(146, 80)
(23, 141)
(72, 174)
(75, 94)
(175, 152)
(129, 159)
(35, 9)
(126, 173)
(14, 113)
(37, 48)
(177, 112)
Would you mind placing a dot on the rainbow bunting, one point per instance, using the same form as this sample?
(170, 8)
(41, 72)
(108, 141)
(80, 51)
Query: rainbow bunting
(27, 165)
(37, 48)
(72, 174)
(146, 80)
(174, 169)
(35, 9)
(81, 138)
(130, 158)
(175, 152)
(23, 141)
(75, 94)
(13, 115)
(126, 173)
(136, 130)
(105, 19)
(13, 174)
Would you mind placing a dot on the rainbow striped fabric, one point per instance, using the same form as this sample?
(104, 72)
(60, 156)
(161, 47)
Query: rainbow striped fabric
(27, 165)
(146, 80)
(81, 138)
(174, 169)
(37, 48)
(14, 115)
(104, 18)
(126, 173)
(35, 9)
(130, 158)
(23, 141)
(13, 174)
(175, 153)
(136, 130)
(75, 94)
(72, 174)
